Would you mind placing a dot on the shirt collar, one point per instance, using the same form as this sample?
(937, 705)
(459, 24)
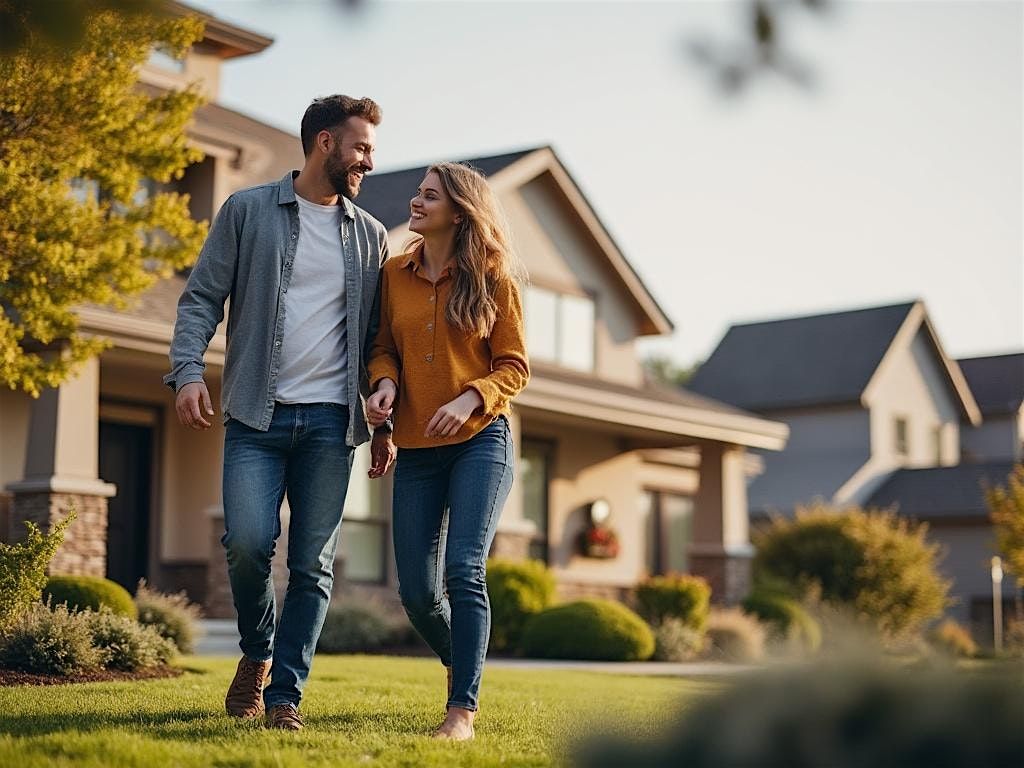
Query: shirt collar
(286, 194)
(413, 259)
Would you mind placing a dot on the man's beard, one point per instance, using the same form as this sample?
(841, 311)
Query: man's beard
(337, 175)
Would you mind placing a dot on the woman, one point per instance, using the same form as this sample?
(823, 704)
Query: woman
(448, 359)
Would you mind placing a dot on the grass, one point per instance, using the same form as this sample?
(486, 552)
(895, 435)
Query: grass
(359, 711)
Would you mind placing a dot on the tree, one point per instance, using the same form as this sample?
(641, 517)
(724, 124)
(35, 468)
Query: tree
(78, 139)
(663, 370)
(1006, 508)
(60, 21)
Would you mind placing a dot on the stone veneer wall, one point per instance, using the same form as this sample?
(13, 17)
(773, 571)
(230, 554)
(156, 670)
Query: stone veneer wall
(728, 575)
(84, 551)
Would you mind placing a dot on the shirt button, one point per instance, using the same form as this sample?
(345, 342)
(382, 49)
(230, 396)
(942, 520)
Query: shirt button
(430, 358)
(430, 299)
(277, 343)
(430, 326)
(294, 235)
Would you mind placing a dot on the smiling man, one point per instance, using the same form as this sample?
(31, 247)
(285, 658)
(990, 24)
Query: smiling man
(301, 264)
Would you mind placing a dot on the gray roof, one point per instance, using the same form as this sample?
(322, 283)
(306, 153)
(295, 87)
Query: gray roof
(801, 361)
(386, 195)
(939, 493)
(997, 382)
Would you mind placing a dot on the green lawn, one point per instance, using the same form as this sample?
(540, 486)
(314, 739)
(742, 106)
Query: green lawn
(359, 711)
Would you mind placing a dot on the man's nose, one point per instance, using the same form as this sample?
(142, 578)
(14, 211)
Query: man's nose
(368, 161)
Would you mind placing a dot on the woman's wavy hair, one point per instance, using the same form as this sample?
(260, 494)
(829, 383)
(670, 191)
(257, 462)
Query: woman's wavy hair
(483, 256)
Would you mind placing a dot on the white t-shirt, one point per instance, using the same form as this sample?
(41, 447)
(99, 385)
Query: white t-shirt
(313, 353)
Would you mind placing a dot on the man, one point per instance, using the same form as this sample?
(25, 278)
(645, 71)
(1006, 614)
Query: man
(301, 264)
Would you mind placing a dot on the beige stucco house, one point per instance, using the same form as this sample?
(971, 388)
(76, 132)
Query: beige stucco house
(671, 467)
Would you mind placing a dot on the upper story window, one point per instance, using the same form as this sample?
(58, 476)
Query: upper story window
(560, 328)
(902, 436)
(161, 59)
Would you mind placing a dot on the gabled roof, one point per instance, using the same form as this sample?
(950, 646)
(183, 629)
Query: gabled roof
(941, 493)
(819, 360)
(996, 381)
(386, 196)
(227, 40)
(800, 361)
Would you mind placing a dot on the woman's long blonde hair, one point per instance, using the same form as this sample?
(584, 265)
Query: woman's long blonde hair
(483, 252)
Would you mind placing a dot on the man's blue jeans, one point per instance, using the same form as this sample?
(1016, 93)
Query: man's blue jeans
(446, 507)
(304, 455)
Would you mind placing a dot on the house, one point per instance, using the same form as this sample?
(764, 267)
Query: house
(880, 417)
(668, 468)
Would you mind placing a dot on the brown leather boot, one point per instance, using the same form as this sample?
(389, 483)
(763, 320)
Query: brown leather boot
(245, 695)
(284, 717)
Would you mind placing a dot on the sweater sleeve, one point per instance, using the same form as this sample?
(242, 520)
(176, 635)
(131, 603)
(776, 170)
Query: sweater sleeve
(510, 368)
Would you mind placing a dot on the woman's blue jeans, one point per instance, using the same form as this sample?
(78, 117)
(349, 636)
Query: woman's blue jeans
(446, 507)
(304, 455)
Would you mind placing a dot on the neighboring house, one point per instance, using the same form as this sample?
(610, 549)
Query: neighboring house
(879, 416)
(671, 466)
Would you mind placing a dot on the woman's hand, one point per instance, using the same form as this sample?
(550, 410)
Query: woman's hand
(378, 405)
(449, 418)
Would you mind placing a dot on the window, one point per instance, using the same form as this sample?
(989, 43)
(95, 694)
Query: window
(364, 532)
(534, 468)
(902, 440)
(560, 328)
(163, 59)
(669, 518)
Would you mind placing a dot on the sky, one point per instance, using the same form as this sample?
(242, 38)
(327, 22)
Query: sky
(896, 175)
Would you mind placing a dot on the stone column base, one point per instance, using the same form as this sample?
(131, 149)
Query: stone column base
(84, 551)
(511, 544)
(728, 572)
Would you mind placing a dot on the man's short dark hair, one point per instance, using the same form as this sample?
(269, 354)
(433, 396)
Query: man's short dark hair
(329, 112)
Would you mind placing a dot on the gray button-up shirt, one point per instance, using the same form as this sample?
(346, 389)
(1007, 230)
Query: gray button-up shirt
(248, 258)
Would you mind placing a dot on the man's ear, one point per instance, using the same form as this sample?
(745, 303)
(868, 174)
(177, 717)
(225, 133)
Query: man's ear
(324, 141)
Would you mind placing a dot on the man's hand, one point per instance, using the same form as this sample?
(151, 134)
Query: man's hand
(382, 453)
(449, 418)
(192, 401)
(378, 405)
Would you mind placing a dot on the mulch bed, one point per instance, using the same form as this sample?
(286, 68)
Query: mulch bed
(10, 677)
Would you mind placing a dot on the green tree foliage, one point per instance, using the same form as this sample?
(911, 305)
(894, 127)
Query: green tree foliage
(23, 569)
(1006, 506)
(59, 21)
(879, 565)
(78, 137)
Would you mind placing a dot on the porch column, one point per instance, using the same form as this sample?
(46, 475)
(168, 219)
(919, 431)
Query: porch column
(512, 537)
(61, 468)
(721, 551)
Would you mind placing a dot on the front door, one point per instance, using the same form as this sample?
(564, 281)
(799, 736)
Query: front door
(126, 460)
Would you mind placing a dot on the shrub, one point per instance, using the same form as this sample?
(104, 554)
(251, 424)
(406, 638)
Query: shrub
(735, 636)
(89, 593)
(600, 630)
(517, 591)
(876, 563)
(1013, 638)
(49, 641)
(841, 717)
(23, 569)
(675, 640)
(953, 639)
(786, 621)
(358, 627)
(676, 596)
(172, 616)
(125, 644)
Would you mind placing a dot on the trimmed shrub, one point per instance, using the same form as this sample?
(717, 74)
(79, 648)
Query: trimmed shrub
(953, 639)
(89, 593)
(517, 590)
(125, 644)
(735, 636)
(786, 621)
(675, 596)
(675, 640)
(876, 563)
(1013, 638)
(358, 627)
(23, 569)
(599, 630)
(172, 616)
(47, 641)
(841, 717)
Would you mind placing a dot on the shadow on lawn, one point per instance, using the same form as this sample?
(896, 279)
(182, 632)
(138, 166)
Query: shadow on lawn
(171, 724)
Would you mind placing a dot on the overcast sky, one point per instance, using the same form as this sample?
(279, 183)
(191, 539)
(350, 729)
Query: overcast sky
(897, 176)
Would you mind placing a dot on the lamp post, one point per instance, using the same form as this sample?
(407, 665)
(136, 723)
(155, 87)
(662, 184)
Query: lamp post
(997, 603)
